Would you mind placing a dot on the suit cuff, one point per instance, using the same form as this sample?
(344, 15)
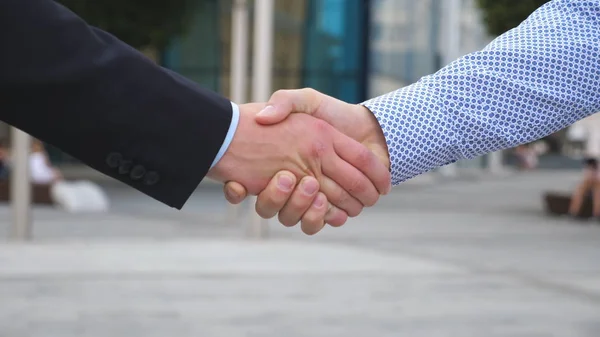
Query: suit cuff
(235, 118)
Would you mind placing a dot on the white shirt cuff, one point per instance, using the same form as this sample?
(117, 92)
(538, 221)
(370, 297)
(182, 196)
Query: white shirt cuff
(235, 118)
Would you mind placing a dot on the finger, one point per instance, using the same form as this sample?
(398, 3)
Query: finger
(339, 198)
(350, 179)
(284, 102)
(364, 160)
(314, 218)
(335, 217)
(301, 199)
(235, 192)
(272, 199)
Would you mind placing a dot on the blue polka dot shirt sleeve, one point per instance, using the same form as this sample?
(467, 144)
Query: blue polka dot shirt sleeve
(528, 83)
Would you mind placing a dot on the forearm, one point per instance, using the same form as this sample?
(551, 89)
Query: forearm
(528, 83)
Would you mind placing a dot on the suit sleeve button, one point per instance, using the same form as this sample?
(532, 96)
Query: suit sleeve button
(125, 166)
(113, 160)
(137, 172)
(151, 178)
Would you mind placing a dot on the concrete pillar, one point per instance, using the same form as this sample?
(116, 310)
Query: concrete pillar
(494, 162)
(239, 66)
(20, 187)
(261, 82)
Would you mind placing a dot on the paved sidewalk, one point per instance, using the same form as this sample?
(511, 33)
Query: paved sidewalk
(472, 259)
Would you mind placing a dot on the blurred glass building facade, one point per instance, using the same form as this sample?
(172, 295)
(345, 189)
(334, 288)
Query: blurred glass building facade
(407, 40)
(403, 43)
(318, 43)
(350, 49)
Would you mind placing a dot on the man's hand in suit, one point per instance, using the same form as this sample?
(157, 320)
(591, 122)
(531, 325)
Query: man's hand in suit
(347, 174)
(355, 121)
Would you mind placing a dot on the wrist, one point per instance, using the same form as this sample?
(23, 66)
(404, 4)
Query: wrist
(224, 169)
(221, 169)
(235, 117)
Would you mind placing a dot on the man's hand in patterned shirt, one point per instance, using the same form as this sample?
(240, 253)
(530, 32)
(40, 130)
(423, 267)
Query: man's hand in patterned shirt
(294, 205)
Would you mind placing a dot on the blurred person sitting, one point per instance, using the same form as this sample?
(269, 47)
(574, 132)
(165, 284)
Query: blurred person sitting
(528, 158)
(72, 196)
(41, 170)
(590, 185)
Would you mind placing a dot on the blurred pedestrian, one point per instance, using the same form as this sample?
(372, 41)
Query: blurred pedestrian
(589, 186)
(527, 156)
(41, 170)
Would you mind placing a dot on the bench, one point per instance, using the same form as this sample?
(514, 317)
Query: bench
(40, 194)
(558, 204)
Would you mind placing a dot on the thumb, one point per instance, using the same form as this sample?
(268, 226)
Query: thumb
(284, 102)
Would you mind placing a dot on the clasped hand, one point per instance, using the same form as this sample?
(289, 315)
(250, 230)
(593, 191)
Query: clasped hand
(335, 150)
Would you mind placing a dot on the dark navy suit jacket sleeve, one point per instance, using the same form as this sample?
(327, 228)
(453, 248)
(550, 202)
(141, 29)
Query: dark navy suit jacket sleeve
(101, 101)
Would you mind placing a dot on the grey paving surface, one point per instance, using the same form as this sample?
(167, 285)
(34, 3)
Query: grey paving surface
(473, 259)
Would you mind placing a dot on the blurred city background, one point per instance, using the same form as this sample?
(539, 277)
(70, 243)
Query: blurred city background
(468, 250)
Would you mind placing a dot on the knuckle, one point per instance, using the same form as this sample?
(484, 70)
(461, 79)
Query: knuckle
(340, 197)
(321, 126)
(279, 93)
(287, 221)
(361, 187)
(363, 157)
(357, 186)
(354, 211)
(318, 149)
(308, 91)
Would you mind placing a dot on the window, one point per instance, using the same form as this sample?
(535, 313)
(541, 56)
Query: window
(335, 46)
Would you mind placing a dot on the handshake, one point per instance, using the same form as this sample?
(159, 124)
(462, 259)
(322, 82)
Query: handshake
(308, 157)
